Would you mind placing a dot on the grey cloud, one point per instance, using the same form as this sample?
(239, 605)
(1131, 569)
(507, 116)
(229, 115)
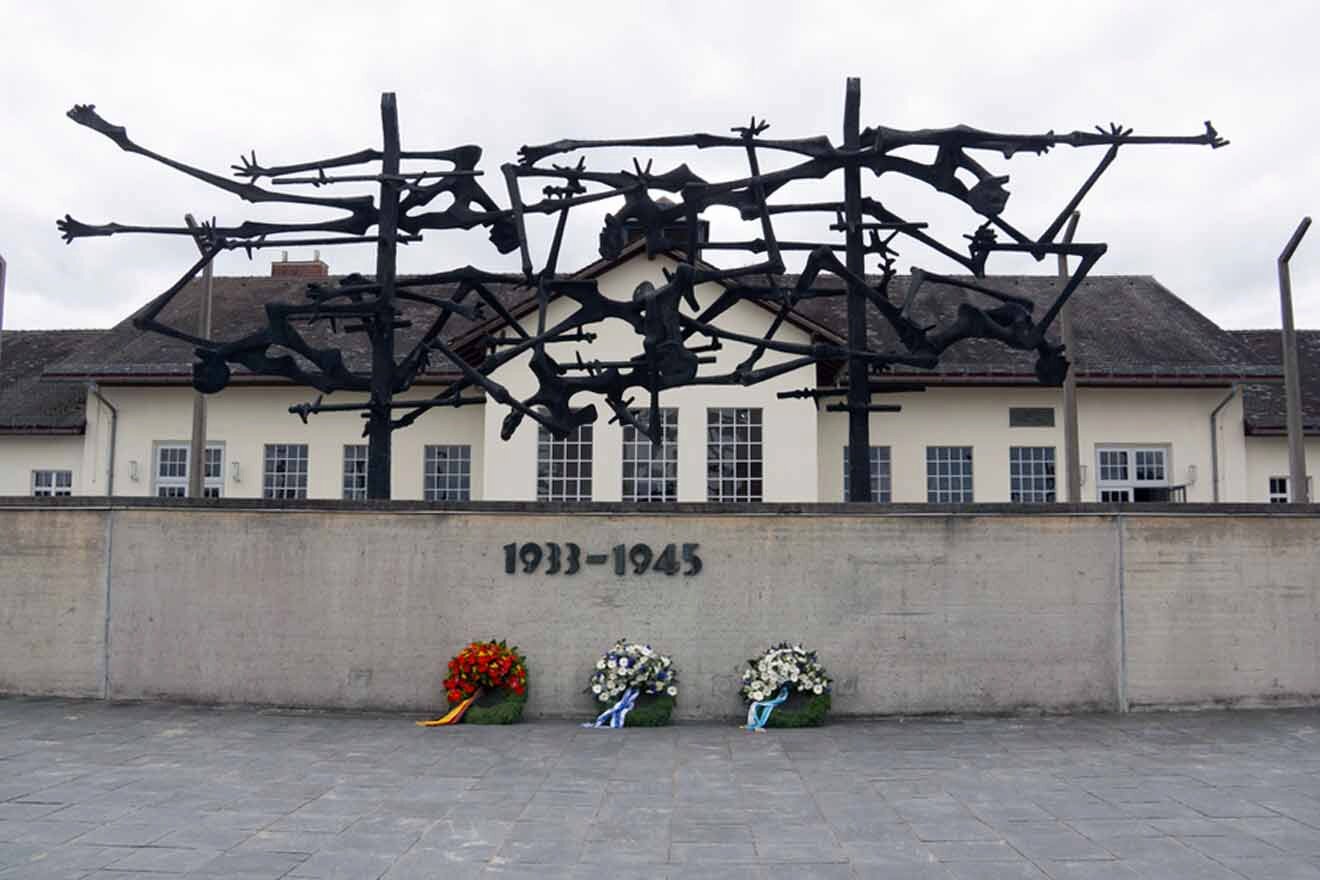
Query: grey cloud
(292, 80)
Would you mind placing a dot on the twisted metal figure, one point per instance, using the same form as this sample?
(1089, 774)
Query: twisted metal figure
(666, 317)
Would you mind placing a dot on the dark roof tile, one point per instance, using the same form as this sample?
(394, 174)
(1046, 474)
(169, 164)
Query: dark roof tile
(1126, 325)
(1265, 406)
(238, 308)
(27, 401)
(1123, 325)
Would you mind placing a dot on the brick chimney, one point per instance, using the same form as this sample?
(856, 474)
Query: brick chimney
(287, 268)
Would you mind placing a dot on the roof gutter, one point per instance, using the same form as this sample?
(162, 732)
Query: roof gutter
(95, 391)
(1214, 441)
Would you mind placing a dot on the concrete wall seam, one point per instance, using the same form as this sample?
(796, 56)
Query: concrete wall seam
(109, 569)
(1119, 526)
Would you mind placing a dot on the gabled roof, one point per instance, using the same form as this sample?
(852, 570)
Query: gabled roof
(1126, 328)
(29, 403)
(238, 308)
(1129, 329)
(1264, 406)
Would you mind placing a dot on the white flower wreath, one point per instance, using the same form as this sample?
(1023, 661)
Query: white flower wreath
(784, 664)
(633, 665)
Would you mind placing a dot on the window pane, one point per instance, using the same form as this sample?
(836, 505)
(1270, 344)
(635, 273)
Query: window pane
(881, 479)
(556, 482)
(1113, 465)
(52, 483)
(949, 474)
(355, 472)
(285, 473)
(1031, 470)
(447, 473)
(733, 454)
(651, 473)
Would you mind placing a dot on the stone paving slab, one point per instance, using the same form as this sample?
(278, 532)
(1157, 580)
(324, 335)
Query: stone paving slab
(99, 790)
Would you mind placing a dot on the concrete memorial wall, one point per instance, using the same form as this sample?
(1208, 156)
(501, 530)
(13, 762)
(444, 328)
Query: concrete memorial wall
(920, 609)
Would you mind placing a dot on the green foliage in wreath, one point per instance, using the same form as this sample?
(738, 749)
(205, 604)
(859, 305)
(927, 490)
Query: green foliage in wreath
(501, 706)
(650, 710)
(800, 710)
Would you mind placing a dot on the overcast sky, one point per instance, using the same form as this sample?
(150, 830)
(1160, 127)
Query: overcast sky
(206, 82)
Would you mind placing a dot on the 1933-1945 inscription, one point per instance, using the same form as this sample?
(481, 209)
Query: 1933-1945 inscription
(568, 558)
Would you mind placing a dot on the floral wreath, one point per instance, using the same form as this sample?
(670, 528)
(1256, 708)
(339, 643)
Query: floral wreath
(491, 672)
(629, 672)
(485, 666)
(779, 673)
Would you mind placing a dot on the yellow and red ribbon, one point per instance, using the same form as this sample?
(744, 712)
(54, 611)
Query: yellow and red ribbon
(454, 715)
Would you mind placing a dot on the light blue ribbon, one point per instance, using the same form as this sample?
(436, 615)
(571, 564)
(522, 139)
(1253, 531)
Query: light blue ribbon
(759, 712)
(614, 716)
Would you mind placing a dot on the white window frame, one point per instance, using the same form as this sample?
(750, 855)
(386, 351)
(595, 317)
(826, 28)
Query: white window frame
(52, 483)
(453, 482)
(1109, 489)
(1033, 476)
(353, 484)
(270, 454)
(1283, 494)
(213, 485)
(651, 475)
(727, 452)
(564, 467)
(882, 474)
(951, 456)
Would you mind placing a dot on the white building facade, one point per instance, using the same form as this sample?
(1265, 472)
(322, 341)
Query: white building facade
(969, 437)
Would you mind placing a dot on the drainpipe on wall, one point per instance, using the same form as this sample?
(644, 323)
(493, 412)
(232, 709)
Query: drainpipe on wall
(114, 428)
(1214, 440)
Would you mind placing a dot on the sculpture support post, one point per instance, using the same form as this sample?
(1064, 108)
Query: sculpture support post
(382, 327)
(1072, 446)
(197, 440)
(859, 389)
(1291, 378)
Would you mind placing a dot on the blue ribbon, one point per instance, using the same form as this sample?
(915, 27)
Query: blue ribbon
(759, 712)
(614, 716)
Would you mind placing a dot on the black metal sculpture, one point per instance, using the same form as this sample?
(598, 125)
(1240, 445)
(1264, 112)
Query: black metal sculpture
(667, 317)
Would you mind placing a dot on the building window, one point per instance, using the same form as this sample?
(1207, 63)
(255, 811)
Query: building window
(1133, 474)
(881, 480)
(286, 471)
(448, 473)
(563, 467)
(171, 470)
(213, 471)
(651, 474)
(52, 483)
(1031, 474)
(1031, 417)
(1279, 493)
(733, 455)
(355, 472)
(948, 474)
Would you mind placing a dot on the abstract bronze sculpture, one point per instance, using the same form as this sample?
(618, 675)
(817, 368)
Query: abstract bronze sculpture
(666, 317)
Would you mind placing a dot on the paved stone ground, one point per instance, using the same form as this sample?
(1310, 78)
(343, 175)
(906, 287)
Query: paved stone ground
(89, 789)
